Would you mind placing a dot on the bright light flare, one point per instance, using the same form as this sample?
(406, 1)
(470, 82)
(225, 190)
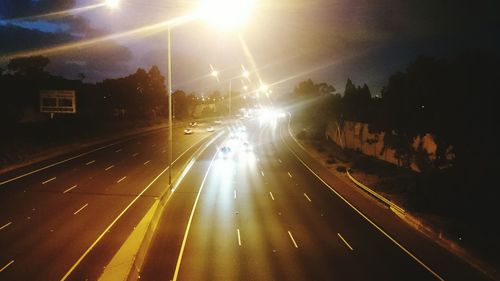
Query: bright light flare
(112, 4)
(226, 14)
(270, 116)
(264, 88)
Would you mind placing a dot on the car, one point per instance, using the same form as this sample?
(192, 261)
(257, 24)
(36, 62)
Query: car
(210, 129)
(218, 122)
(188, 131)
(193, 124)
(225, 149)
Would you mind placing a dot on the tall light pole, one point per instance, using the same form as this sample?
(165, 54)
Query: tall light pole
(170, 107)
(215, 74)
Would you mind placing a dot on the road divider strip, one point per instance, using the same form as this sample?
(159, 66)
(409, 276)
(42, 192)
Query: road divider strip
(186, 233)
(164, 198)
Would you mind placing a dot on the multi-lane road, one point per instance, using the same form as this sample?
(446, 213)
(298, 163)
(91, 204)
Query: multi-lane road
(258, 213)
(253, 212)
(52, 216)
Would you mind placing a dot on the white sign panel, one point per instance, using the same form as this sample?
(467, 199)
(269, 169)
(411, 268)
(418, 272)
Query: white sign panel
(57, 101)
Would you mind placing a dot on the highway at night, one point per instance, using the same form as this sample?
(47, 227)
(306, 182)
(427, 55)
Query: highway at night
(49, 219)
(257, 213)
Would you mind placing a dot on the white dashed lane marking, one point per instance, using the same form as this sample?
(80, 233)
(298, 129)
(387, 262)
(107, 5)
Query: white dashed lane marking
(77, 211)
(307, 197)
(49, 180)
(345, 242)
(67, 190)
(7, 265)
(5, 225)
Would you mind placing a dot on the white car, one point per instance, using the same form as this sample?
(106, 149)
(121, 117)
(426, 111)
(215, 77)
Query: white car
(210, 129)
(188, 131)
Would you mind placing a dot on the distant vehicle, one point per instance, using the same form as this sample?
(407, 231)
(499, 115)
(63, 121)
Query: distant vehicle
(217, 122)
(188, 132)
(210, 129)
(193, 124)
(225, 149)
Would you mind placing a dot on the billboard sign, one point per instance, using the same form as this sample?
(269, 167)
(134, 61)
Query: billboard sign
(58, 101)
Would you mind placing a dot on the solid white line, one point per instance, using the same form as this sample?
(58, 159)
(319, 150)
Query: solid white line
(293, 240)
(262, 173)
(235, 194)
(70, 188)
(7, 265)
(290, 175)
(239, 237)
(356, 209)
(135, 154)
(118, 150)
(309, 199)
(90, 162)
(270, 193)
(80, 259)
(110, 167)
(49, 180)
(80, 209)
(145, 163)
(5, 225)
(181, 252)
(57, 163)
(345, 241)
(120, 180)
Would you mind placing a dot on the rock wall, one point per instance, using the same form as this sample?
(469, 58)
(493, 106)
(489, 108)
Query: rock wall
(356, 136)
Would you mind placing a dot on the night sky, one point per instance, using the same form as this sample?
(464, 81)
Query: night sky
(289, 40)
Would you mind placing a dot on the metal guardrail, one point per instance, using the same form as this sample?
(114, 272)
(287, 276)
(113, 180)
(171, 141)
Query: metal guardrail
(375, 194)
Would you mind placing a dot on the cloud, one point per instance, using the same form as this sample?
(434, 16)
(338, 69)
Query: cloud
(106, 60)
(11, 9)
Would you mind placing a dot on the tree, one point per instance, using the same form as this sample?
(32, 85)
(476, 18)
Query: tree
(25, 66)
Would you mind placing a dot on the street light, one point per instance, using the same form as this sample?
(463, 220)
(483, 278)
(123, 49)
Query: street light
(222, 13)
(215, 74)
(112, 4)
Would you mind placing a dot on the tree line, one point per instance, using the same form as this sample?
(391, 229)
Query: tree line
(454, 100)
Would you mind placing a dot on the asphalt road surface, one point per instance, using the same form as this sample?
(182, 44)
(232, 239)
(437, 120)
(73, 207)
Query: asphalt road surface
(51, 218)
(255, 212)
(250, 212)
